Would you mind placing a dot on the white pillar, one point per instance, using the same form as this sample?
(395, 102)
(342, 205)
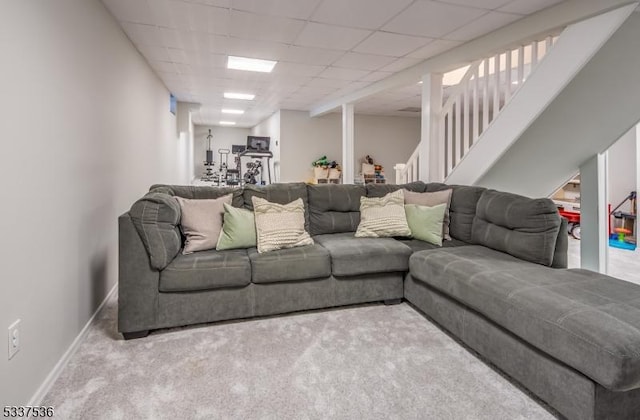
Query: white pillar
(431, 152)
(594, 214)
(348, 153)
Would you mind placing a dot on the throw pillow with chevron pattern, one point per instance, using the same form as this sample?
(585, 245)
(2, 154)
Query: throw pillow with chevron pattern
(383, 217)
(280, 226)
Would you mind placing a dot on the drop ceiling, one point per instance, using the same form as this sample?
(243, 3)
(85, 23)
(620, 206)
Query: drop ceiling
(324, 48)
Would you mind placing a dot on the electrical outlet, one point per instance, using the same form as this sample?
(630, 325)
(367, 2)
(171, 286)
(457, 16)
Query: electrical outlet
(14, 338)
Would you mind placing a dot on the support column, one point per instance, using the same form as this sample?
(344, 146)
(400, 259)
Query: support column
(348, 145)
(594, 252)
(431, 153)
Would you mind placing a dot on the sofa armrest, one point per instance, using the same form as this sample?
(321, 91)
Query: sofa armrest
(560, 254)
(137, 283)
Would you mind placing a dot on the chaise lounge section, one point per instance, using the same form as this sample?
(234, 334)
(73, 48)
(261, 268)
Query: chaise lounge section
(500, 285)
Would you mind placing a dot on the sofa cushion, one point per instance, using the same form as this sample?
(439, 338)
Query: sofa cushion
(301, 263)
(587, 320)
(353, 256)
(206, 270)
(279, 194)
(431, 199)
(523, 227)
(334, 208)
(380, 190)
(238, 229)
(199, 192)
(462, 209)
(383, 217)
(156, 217)
(418, 245)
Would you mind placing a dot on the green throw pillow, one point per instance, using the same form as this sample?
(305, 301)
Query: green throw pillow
(238, 229)
(426, 222)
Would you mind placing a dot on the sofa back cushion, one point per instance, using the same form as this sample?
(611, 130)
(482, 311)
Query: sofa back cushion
(192, 192)
(280, 194)
(156, 217)
(523, 227)
(462, 209)
(380, 190)
(334, 208)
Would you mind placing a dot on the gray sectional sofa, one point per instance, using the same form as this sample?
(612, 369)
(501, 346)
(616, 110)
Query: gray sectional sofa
(572, 337)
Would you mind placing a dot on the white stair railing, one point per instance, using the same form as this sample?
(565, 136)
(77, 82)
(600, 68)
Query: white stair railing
(474, 103)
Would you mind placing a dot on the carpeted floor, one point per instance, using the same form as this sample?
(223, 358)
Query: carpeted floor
(373, 362)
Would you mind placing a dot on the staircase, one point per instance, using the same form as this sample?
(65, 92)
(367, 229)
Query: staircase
(501, 97)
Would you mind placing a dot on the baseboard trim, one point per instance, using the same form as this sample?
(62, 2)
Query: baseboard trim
(37, 398)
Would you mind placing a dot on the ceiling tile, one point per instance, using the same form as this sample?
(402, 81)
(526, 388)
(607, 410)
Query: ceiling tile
(330, 37)
(358, 13)
(136, 11)
(434, 48)
(198, 17)
(219, 3)
(480, 4)
(298, 9)
(483, 25)
(154, 53)
(394, 45)
(321, 81)
(266, 50)
(363, 61)
(343, 74)
(194, 41)
(526, 7)
(177, 55)
(308, 55)
(297, 69)
(401, 64)
(376, 75)
(432, 19)
(268, 28)
(143, 34)
(163, 66)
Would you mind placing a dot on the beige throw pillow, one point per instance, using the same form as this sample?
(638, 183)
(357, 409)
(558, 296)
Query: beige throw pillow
(431, 199)
(383, 217)
(280, 226)
(201, 222)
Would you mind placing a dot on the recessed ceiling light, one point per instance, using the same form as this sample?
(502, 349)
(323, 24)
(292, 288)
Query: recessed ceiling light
(250, 64)
(233, 111)
(227, 123)
(244, 96)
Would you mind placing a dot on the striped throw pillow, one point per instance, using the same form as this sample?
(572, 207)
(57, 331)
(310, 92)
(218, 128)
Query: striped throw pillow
(280, 226)
(383, 217)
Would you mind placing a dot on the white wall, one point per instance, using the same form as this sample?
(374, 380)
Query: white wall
(270, 127)
(85, 129)
(389, 140)
(622, 167)
(223, 138)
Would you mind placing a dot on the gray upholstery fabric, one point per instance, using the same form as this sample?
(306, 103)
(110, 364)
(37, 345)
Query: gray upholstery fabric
(206, 270)
(278, 193)
(587, 320)
(566, 390)
(201, 192)
(523, 227)
(560, 254)
(380, 190)
(418, 245)
(137, 281)
(368, 288)
(300, 263)
(462, 210)
(352, 256)
(156, 217)
(334, 208)
(284, 297)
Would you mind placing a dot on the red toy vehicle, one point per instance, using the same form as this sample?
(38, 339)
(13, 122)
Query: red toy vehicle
(573, 218)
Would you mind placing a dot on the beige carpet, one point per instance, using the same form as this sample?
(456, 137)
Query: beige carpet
(372, 362)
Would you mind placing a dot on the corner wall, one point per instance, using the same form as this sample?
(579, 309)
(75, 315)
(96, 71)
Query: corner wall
(86, 129)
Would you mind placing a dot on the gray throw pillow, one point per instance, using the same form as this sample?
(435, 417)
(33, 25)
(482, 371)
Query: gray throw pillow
(201, 222)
